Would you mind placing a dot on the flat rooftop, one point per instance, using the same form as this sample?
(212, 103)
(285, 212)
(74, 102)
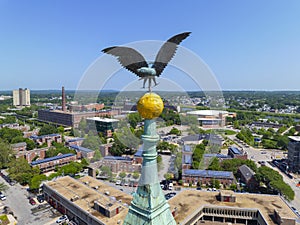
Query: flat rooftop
(105, 120)
(207, 112)
(190, 201)
(90, 190)
(294, 138)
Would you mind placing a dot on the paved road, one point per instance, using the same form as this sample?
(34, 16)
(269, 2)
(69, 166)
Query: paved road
(16, 199)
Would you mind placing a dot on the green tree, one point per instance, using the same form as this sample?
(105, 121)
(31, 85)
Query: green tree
(274, 181)
(168, 176)
(92, 142)
(9, 134)
(36, 181)
(20, 171)
(233, 165)
(30, 144)
(134, 119)
(97, 155)
(48, 129)
(84, 162)
(122, 175)
(6, 154)
(3, 187)
(135, 175)
(70, 169)
(215, 183)
(215, 164)
(175, 131)
(106, 171)
(198, 156)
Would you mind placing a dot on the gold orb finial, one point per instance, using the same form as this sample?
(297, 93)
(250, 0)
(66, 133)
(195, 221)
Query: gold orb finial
(150, 105)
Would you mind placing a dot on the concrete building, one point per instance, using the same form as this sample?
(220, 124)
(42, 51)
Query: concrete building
(227, 207)
(211, 118)
(234, 152)
(206, 177)
(21, 97)
(88, 201)
(51, 163)
(106, 126)
(294, 154)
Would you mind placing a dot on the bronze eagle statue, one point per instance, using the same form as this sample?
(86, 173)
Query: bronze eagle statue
(134, 61)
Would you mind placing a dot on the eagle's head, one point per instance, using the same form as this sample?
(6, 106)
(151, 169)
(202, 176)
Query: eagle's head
(147, 71)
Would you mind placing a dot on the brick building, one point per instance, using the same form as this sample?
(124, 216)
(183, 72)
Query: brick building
(71, 119)
(83, 152)
(120, 164)
(30, 155)
(49, 164)
(234, 152)
(206, 177)
(48, 139)
(247, 177)
(17, 147)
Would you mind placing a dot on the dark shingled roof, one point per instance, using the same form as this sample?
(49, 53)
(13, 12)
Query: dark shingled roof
(246, 172)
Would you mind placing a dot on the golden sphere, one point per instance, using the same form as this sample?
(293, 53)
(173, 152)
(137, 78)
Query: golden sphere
(150, 105)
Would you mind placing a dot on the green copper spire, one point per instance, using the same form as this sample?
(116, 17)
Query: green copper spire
(149, 205)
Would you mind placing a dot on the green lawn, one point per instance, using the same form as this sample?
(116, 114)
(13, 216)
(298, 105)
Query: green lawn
(4, 219)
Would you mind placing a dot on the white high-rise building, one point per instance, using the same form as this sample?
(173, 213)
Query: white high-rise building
(21, 97)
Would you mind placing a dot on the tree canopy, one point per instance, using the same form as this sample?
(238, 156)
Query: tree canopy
(48, 129)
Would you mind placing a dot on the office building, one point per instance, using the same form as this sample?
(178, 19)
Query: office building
(106, 126)
(21, 97)
(294, 154)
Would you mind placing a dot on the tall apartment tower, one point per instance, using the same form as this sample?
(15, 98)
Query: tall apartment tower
(294, 154)
(63, 99)
(21, 97)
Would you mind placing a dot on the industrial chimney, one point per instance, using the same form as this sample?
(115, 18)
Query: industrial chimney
(63, 101)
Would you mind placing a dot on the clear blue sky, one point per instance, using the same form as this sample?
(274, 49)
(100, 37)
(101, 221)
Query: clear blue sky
(247, 44)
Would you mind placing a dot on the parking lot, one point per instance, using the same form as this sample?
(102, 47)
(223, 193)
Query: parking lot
(17, 202)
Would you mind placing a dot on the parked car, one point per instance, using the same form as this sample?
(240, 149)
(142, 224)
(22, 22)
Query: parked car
(32, 201)
(62, 219)
(40, 198)
(2, 197)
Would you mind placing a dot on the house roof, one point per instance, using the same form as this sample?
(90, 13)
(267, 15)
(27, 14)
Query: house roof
(80, 149)
(20, 144)
(208, 173)
(51, 159)
(246, 172)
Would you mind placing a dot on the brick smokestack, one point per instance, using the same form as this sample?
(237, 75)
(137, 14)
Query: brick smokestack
(63, 101)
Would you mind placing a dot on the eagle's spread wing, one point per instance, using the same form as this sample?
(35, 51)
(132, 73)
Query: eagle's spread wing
(167, 51)
(128, 58)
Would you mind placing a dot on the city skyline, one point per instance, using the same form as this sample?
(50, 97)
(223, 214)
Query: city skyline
(248, 46)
